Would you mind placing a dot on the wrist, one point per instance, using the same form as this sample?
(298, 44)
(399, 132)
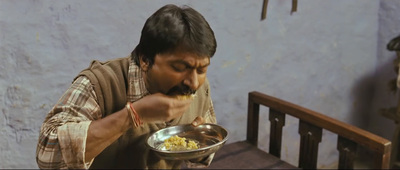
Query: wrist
(127, 123)
(134, 116)
(138, 106)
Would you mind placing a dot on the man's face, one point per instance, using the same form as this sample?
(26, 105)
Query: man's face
(176, 73)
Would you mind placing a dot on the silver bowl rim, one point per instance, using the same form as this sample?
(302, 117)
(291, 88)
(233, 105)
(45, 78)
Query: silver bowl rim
(189, 151)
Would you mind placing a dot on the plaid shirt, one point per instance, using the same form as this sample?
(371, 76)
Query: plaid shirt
(62, 140)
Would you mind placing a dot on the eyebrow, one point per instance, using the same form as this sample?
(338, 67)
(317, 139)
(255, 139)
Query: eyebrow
(188, 64)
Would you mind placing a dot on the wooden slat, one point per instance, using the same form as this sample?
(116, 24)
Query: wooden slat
(310, 137)
(347, 153)
(382, 161)
(252, 121)
(277, 120)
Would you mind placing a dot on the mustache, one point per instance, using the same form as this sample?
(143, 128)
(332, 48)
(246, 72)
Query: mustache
(185, 90)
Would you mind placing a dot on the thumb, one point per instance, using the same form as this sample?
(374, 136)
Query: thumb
(198, 121)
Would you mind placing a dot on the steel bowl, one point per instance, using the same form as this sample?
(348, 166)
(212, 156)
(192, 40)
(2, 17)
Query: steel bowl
(210, 137)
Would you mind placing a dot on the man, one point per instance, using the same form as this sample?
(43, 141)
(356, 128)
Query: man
(104, 118)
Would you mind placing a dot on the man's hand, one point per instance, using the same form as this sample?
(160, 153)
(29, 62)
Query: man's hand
(160, 108)
(152, 108)
(198, 121)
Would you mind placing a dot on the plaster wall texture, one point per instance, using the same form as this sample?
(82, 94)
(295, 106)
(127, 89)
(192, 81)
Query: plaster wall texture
(323, 57)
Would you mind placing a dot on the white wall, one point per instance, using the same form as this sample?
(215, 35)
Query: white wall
(323, 57)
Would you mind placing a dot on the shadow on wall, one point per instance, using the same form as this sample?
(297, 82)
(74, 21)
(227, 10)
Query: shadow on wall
(362, 94)
(370, 94)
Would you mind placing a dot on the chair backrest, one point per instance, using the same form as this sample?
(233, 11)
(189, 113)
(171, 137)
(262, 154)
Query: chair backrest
(310, 130)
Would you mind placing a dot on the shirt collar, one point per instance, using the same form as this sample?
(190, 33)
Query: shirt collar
(137, 88)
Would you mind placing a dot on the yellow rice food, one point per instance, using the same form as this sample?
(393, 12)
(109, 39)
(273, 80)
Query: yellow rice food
(176, 143)
(185, 97)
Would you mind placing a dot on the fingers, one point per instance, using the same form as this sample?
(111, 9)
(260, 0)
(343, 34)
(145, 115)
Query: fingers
(159, 107)
(179, 108)
(198, 121)
(182, 105)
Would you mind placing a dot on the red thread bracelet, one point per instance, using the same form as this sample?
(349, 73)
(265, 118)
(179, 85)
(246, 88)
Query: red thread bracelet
(128, 107)
(137, 118)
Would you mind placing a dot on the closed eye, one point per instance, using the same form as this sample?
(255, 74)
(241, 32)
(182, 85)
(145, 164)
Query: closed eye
(202, 70)
(179, 67)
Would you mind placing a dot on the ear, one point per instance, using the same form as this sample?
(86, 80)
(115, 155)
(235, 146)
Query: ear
(144, 64)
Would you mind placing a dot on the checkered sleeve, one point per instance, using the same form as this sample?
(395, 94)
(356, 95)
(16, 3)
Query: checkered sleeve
(62, 138)
(210, 115)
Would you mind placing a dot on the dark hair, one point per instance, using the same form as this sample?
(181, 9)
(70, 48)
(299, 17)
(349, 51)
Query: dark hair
(172, 27)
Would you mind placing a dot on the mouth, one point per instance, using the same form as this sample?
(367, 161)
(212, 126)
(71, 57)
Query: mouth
(181, 91)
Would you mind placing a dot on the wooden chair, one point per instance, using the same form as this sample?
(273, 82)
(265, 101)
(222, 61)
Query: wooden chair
(245, 154)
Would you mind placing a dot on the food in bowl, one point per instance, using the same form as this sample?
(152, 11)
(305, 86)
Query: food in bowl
(176, 143)
(209, 137)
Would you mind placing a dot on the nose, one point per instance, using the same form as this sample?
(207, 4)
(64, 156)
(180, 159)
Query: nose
(192, 80)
